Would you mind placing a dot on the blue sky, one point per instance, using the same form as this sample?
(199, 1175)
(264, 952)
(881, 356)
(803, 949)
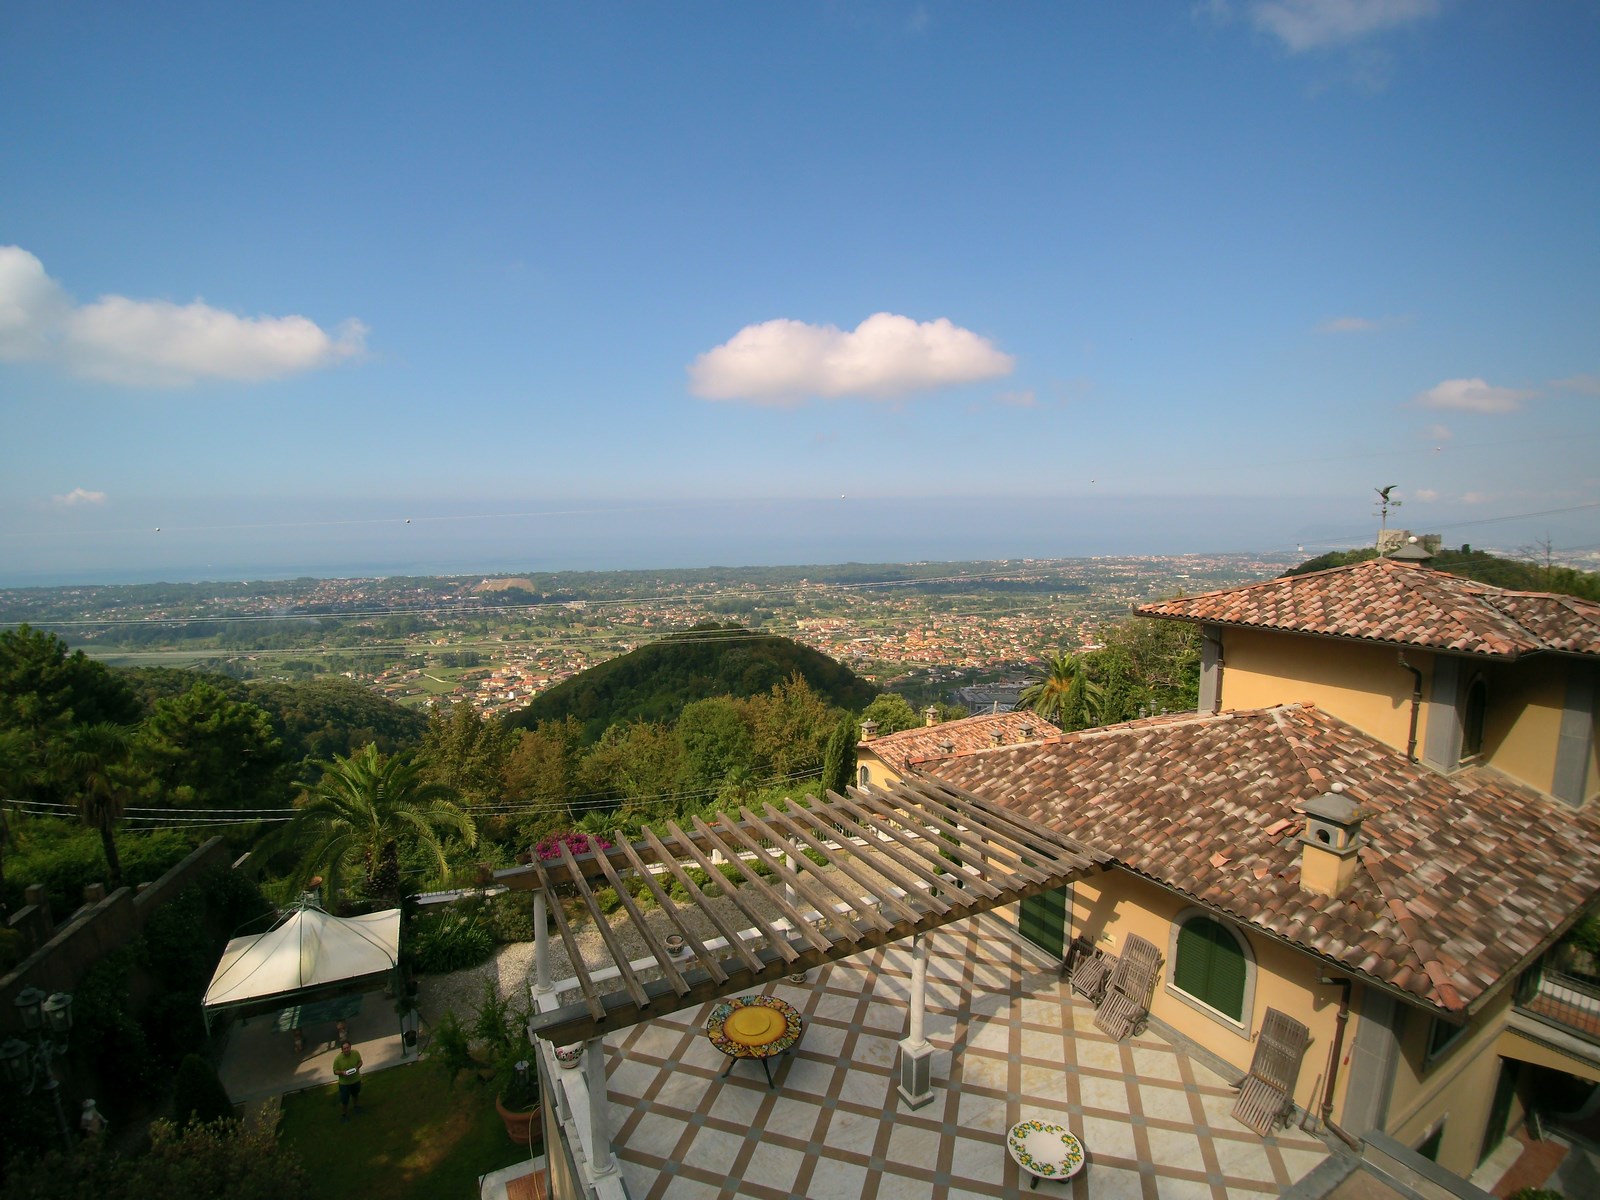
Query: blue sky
(653, 285)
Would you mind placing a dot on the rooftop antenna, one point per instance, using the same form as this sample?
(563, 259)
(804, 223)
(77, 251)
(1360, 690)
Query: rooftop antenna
(1385, 502)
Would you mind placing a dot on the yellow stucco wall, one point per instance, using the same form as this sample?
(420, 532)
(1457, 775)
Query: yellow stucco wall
(1523, 725)
(1457, 1087)
(1364, 685)
(1109, 907)
(879, 773)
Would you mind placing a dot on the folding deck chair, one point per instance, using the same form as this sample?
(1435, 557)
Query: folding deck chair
(1127, 992)
(1090, 972)
(1266, 1092)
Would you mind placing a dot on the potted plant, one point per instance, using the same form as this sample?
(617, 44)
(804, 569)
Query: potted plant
(511, 1064)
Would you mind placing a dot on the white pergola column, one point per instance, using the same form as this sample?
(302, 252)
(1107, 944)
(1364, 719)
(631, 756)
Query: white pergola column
(601, 1160)
(793, 899)
(916, 1051)
(541, 944)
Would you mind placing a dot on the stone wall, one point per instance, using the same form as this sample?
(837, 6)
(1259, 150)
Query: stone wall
(104, 925)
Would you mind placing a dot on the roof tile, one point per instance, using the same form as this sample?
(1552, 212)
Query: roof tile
(1402, 603)
(1461, 878)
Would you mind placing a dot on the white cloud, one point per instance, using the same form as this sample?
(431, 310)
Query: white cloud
(1425, 495)
(1473, 395)
(1348, 325)
(1588, 385)
(154, 343)
(1439, 433)
(1312, 24)
(78, 496)
(784, 361)
(1477, 497)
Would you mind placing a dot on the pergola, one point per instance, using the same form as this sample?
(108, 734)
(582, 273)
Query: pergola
(947, 855)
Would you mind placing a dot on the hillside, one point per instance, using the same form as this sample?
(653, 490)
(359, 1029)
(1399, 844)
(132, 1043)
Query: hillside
(655, 682)
(1518, 575)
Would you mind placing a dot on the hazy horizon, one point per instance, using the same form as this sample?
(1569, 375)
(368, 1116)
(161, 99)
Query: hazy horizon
(624, 284)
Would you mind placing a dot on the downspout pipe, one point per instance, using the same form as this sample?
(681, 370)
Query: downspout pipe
(1215, 640)
(1416, 706)
(1340, 1020)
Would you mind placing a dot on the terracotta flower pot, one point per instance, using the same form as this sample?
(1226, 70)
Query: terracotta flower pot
(523, 1128)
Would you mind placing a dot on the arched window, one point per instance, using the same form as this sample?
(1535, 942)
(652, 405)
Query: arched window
(866, 777)
(1211, 964)
(1472, 717)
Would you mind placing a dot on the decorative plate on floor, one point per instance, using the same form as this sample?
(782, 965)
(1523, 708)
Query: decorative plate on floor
(1046, 1150)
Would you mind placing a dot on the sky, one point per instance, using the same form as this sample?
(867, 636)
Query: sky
(398, 288)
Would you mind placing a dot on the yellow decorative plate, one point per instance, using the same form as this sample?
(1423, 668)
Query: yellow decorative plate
(753, 1025)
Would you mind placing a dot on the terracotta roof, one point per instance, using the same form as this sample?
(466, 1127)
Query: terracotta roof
(1463, 878)
(1384, 600)
(928, 742)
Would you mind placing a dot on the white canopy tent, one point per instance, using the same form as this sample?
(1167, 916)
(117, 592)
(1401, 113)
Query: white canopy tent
(307, 954)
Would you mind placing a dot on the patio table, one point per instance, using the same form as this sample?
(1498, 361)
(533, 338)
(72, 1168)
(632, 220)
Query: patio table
(758, 1027)
(1045, 1151)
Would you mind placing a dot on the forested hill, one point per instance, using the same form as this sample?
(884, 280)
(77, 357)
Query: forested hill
(1518, 575)
(655, 682)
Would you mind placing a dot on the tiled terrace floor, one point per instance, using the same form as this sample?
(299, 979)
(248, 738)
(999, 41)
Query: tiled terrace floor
(1013, 1044)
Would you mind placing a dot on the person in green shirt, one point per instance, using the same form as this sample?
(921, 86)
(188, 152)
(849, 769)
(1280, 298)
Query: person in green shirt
(347, 1070)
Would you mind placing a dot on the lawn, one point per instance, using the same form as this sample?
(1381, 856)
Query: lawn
(417, 1137)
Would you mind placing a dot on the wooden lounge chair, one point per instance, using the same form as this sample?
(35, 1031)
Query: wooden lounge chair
(1090, 973)
(1266, 1092)
(1127, 995)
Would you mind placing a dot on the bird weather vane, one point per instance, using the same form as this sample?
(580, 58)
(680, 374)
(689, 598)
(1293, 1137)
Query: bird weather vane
(1386, 501)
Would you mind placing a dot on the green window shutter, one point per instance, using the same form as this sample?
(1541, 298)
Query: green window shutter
(1211, 966)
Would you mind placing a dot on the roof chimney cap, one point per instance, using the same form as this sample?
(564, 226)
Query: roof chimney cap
(869, 730)
(931, 714)
(1412, 551)
(947, 746)
(1334, 807)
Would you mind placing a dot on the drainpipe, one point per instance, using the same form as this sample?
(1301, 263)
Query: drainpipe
(1340, 1019)
(1216, 700)
(1416, 705)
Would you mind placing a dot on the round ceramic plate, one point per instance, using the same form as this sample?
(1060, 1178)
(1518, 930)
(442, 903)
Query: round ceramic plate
(1044, 1149)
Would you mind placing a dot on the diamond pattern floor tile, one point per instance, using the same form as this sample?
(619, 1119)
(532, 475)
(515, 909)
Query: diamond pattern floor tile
(1012, 1043)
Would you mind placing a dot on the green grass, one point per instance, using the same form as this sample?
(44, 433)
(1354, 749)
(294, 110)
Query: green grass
(418, 1138)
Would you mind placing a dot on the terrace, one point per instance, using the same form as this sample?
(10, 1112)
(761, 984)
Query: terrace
(1011, 1043)
(926, 1027)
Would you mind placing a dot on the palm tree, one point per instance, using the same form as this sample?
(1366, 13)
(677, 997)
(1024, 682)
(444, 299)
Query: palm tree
(359, 812)
(94, 762)
(1063, 693)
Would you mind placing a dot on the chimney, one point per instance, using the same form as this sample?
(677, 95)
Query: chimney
(1027, 730)
(947, 746)
(869, 730)
(931, 714)
(997, 736)
(1331, 842)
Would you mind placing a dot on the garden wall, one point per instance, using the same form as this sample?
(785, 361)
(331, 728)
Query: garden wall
(109, 924)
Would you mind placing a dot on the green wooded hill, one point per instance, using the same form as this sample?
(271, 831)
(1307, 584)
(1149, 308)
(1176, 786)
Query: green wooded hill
(1519, 575)
(655, 682)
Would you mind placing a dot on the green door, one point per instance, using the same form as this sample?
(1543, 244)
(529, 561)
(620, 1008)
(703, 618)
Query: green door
(1043, 921)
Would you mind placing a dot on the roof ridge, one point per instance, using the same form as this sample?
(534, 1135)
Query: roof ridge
(1302, 753)
(1417, 943)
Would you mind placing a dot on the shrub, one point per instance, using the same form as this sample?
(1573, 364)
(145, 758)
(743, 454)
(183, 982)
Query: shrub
(449, 941)
(174, 1026)
(198, 1095)
(450, 1047)
(106, 1034)
(510, 917)
(607, 900)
